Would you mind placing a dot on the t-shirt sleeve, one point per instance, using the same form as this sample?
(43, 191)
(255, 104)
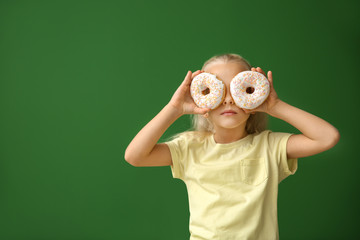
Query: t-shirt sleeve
(278, 142)
(176, 147)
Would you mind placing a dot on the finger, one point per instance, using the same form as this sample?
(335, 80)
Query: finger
(195, 73)
(272, 88)
(246, 110)
(187, 79)
(255, 69)
(270, 76)
(202, 111)
(260, 71)
(251, 111)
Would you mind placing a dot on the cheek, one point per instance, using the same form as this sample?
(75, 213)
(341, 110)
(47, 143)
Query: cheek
(211, 117)
(213, 114)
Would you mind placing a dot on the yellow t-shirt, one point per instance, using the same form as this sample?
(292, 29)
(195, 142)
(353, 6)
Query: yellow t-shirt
(233, 187)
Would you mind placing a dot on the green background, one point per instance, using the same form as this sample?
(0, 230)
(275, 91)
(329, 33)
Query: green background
(79, 79)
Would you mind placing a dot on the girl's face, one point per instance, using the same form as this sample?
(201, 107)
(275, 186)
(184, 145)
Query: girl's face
(227, 115)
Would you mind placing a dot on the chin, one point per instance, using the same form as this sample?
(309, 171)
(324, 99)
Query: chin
(231, 124)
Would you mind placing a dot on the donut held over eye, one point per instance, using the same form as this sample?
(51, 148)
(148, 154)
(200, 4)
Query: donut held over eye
(207, 91)
(249, 89)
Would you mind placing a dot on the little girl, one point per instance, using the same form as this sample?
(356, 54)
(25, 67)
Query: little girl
(230, 163)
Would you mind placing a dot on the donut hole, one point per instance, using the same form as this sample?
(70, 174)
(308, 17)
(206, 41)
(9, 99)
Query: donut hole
(206, 91)
(250, 90)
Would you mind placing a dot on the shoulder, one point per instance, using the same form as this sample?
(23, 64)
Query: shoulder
(186, 142)
(270, 135)
(272, 138)
(262, 136)
(190, 137)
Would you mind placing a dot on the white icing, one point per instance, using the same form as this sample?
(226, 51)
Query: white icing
(242, 81)
(200, 83)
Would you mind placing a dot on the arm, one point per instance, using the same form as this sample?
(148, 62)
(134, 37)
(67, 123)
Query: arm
(317, 134)
(144, 150)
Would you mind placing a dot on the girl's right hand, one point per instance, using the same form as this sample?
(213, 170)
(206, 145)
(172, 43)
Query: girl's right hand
(182, 100)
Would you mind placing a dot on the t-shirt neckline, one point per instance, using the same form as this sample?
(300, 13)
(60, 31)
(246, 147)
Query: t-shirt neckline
(232, 144)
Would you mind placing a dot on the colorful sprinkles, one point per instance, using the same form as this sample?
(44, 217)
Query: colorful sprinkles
(207, 91)
(249, 79)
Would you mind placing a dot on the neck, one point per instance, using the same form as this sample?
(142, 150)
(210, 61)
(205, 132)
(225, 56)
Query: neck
(229, 135)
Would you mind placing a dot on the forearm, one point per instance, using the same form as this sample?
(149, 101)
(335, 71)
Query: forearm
(308, 124)
(144, 142)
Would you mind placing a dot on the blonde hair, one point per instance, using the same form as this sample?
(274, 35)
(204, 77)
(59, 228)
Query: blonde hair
(256, 123)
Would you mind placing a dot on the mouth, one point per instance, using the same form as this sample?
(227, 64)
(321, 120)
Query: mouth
(228, 113)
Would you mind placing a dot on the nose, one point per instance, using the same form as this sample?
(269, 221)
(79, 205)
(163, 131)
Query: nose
(228, 99)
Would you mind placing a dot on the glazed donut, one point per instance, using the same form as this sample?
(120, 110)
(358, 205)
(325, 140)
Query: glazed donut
(207, 91)
(249, 89)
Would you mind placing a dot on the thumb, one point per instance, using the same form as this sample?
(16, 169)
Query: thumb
(247, 110)
(202, 111)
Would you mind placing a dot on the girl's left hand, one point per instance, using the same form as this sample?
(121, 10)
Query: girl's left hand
(272, 99)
